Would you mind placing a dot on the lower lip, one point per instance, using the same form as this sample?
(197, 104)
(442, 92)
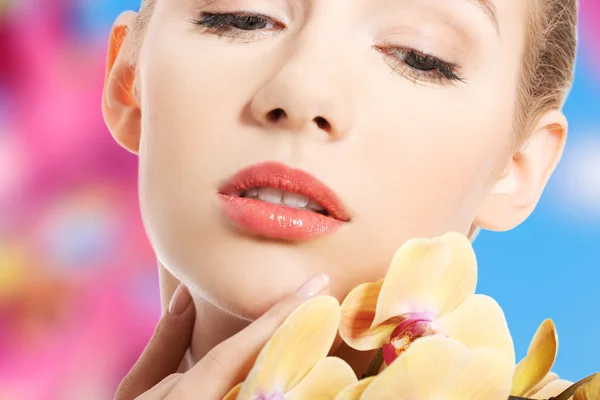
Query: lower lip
(277, 221)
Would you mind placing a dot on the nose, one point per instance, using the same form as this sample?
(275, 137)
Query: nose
(305, 94)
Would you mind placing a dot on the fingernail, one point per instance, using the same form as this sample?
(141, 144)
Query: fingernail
(180, 301)
(313, 286)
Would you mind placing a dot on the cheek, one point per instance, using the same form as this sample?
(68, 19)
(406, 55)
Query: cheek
(180, 104)
(428, 158)
(190, 126)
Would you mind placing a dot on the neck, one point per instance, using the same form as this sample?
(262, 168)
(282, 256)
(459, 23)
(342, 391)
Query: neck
(214, 326)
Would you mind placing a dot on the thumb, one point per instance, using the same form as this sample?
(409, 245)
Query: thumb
(165, 351)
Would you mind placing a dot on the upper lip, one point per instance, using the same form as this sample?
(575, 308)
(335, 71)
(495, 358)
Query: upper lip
(279, 176)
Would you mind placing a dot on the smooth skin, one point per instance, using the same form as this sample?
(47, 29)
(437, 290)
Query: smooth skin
(416, 153)
(156, 374)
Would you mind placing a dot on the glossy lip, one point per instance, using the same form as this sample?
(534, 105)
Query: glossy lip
(278, 220)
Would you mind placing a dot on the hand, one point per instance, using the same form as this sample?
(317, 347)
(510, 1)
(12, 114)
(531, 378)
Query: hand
(155, 377)
(166, 350)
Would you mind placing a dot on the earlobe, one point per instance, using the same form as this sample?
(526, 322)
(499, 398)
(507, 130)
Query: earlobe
(119, 107)
(516, 192)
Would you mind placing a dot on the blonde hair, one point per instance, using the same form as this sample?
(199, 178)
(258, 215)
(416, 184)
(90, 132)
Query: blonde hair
(548, 61)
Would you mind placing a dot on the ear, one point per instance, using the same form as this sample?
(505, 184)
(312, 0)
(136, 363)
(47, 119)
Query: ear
(121, 111)
(516, 193)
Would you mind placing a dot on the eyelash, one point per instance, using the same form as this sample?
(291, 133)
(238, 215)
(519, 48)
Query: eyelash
(417, 66)
(412, 64)
(228, 25)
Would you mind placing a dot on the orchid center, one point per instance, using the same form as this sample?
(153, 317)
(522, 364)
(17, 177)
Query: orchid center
(412, 327)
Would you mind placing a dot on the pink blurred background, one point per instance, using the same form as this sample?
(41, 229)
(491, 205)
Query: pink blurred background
(78, 284)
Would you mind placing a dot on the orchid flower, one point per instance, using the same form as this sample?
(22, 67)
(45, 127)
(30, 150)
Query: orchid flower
(590, 390)
(533, 378)
(428, 290)
(293, 364)
(438, 367)
(585, 389)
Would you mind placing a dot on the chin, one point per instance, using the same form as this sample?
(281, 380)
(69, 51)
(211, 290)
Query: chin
(250, 298)
(242, 276)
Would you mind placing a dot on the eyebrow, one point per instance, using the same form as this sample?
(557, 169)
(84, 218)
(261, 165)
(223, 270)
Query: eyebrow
(489, 8)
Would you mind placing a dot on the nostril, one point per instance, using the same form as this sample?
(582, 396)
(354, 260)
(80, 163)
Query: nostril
(276, 114)
(322, 123)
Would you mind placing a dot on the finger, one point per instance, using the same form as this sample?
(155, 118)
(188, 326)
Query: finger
(165, 351)
(229, 363)
(161, 390)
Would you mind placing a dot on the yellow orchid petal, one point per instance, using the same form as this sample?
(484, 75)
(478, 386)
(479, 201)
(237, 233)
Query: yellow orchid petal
(358, 311)
(550, 376)
(538, 361)
(420, 373)
(479, 322)
(459, 279)
(428, 275)
(437, 367)
(589, 391)
(554, 388)
(299, 343)
(488, 376)
(324, 382)
(410, 280)
(355, 391)
(233, 393)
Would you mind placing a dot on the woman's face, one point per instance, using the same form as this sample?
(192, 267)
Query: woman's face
(402, 109)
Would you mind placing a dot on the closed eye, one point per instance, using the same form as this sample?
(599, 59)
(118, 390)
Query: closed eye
(239, 25)
(418, 66)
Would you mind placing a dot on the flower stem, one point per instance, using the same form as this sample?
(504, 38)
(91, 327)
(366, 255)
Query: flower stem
(375, 365)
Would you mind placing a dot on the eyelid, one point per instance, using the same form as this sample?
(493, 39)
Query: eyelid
(243, 14)
(440, 24)
(388, 49)
(443, 73)
(281, 14)
(429, 38)
(225, 25)
(436, 48)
